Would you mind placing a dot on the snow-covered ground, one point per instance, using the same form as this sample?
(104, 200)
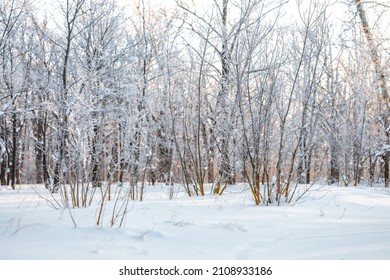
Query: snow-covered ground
(327, 223)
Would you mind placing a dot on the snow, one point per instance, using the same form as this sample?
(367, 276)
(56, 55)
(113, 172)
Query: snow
(328, 223)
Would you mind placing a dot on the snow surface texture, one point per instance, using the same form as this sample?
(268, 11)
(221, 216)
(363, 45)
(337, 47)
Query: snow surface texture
(327, 223)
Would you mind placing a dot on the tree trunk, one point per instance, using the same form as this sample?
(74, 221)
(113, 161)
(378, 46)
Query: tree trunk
(14, 151)
(163, 152)
(334, 165)
(380, 73)
(95, 157)
(3, 165)
(42, 171)
(225, 168)
(211, 156)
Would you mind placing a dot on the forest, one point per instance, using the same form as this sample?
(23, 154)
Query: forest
(273, 94)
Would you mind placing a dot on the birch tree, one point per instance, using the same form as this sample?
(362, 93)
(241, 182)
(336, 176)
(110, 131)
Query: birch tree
(380, 72)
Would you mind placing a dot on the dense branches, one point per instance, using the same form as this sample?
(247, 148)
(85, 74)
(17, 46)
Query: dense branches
(236, 91)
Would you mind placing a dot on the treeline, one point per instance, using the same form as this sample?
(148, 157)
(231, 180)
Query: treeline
(92, 93)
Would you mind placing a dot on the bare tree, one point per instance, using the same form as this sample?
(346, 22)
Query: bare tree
(382, 84)
(15, 64)
(71, 12)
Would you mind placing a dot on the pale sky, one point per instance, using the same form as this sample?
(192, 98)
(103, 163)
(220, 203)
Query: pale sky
(336, 11)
